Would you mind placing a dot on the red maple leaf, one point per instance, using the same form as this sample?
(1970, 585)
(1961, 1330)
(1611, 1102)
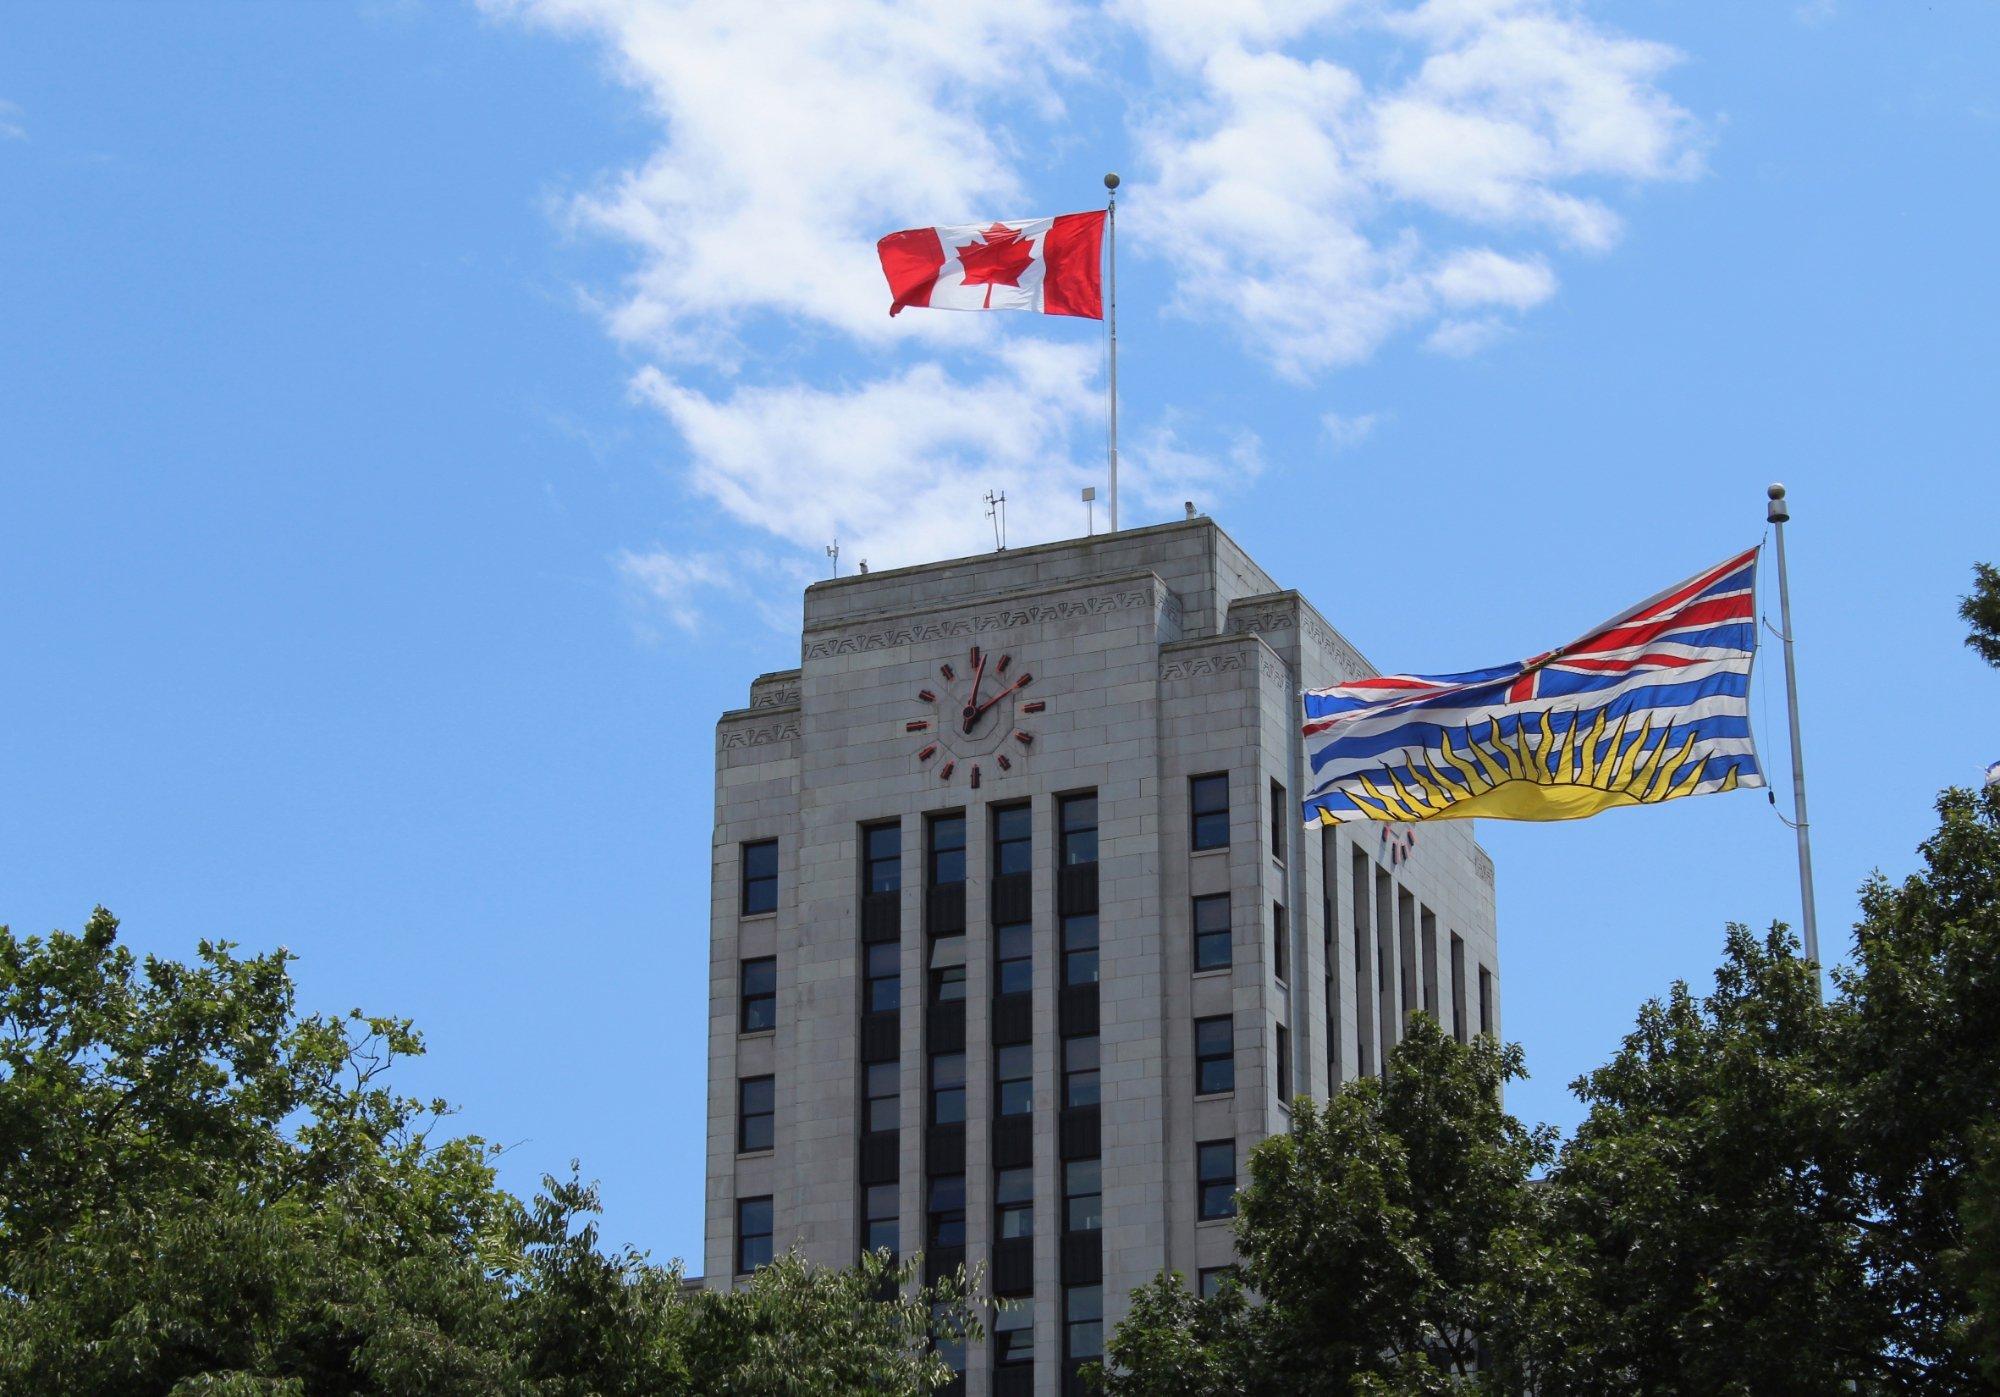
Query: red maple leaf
(998, 261)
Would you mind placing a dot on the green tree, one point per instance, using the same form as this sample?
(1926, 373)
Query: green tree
(1980, 610)
(1702, 1225)
(1374, 1234)
(202, 1192)
(1920, 1066)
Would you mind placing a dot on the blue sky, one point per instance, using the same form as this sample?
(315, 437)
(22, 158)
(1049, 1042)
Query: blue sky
(417, 421)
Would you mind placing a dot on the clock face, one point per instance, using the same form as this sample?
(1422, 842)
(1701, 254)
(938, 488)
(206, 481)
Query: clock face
(973, 717)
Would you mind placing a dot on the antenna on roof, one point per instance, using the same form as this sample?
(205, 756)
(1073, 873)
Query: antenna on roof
(833, 552)
(1090, 508)
(996, 510)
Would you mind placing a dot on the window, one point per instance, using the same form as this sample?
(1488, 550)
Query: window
(760, 877)
(756, 1106)
(947, 1210)
(883, 1109)
(760, 994)
(947, 1088)
(948, 1337)
(1080, 1071)
(1208, 811)
(1278, 822)
(1457, 987)
(879, 1226)
(1215, 1178)
(1079, 829)
(1281, 941)
(1083, 1322)
(1013, 842)
(1214, 1055)
(884, 988)
(1485, 1000)
(1014, 958)
(1284, 1065)
(1013, 1203)
(1208, 1280)
(1083, 1195)
(947, 969)
(947, 851)
(753, 1234)
(1211, 932)
(882, 858)
(1079, 937)
(1014, 1335)
(1013, 1079)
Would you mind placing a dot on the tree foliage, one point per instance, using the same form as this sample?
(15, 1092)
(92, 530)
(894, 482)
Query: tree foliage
(1980, 610)
(203, 1192)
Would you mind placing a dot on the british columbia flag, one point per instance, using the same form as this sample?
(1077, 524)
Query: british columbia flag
(1652, 705)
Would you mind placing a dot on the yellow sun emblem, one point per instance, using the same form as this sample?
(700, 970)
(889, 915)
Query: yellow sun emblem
(1566, 778)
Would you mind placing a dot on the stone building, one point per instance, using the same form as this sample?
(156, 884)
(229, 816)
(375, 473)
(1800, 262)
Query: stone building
(1018, 944)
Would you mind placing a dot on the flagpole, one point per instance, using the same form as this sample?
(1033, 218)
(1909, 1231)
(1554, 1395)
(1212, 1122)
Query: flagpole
(1111, 315)
(1777, 513)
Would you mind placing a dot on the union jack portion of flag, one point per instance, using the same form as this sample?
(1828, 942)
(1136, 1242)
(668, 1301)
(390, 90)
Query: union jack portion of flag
(1652, 705)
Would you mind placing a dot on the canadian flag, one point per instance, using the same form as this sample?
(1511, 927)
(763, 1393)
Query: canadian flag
(1046, 264)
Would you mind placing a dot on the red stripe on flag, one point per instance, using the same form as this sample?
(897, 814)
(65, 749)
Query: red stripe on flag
(1692, 589)
(911, 260)
(1736, 608)
(1073, 279)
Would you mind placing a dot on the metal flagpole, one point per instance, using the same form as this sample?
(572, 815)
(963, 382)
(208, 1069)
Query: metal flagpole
(1777, 513)
(1111, 316)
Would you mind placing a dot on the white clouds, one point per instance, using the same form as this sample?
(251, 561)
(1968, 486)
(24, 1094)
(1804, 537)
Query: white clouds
(796, 134)
(11, 128)
(1348, 432)
(1320, 212)
(682, 588)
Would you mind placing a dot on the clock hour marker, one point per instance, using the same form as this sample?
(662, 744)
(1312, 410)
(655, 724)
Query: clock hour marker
(946, 671)
(1005, 765)
(944, 772)
(1024, 681)
(1025, 739)
(918, 725)
(927, 753)
(975, 776)
(1005, 660)
(927, 696)
(975, 657)
(1035, 707)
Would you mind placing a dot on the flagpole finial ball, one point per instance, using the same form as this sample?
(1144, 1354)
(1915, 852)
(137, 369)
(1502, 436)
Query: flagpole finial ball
(1776, 491)
(1111, 181)
(1778, 511)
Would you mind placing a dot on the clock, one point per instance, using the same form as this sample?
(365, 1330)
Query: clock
(973, 716)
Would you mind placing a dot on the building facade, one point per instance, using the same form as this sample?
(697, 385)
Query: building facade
(1018, 944)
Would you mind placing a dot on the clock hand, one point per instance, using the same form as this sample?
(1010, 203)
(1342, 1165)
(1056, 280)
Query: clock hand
(972, 710)
(1022, 682)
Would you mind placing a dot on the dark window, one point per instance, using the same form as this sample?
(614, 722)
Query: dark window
(1278, 822)
(1485, 1000)
(1080, 1071)
(1214, 1055)
(885, 1096)
(1208, 1281)
(1215, 1178)
(947, 984)
(760, 877)
(882, 858)
(947, 1088)
(879, 1228)
(1079, 938)
(1083, 1322)
(947, 851)
(1208, 811)
(1211, 932)
(756, 1104)
(1457, 987)
(1013, 843)
(1014, 1335)
(885, 976)
(753, 1234)
(1079, 829)
(947, 1210)
(1284, 1065)
(1013, 1080)
(1014, 958)
(1083, 1195)
(760, 994)
(1014, 1203)
(948, 1338)
(1281, 940)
